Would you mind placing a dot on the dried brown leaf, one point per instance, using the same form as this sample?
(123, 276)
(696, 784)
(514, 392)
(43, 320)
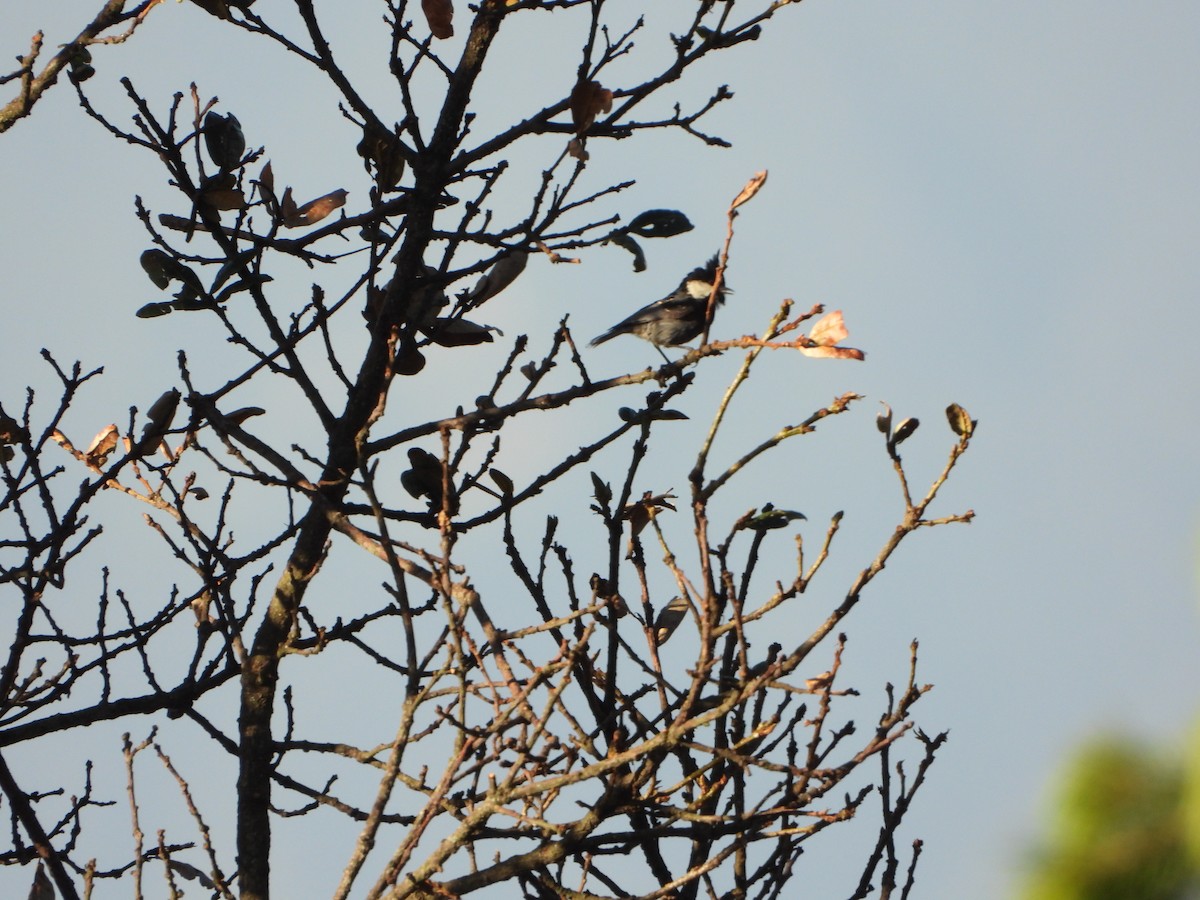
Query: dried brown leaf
(575, 150)
(42, 888)
(313, 211)
(499, 276)
(752, 187)
(588, 100)
(640, 513)
(239, 416)
(439, 13)
(102, 445)
(225, 198)
(158, 421)
(452, 332)
(669, 618)
(960, 420)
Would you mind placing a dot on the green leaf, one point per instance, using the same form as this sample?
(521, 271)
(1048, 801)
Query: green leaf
(771, 518)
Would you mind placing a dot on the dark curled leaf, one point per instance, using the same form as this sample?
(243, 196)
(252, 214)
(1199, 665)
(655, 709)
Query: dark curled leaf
(42, 888)
(154, 310)
(158, 267)
(191, 873)
(668, 619)
(621, 239)
(224, 139)
(162, 269)
(448, 332)
(243, 285)
(502, 481)
(603, 493)
(158, 421)
(904, 431)
(883, 421)
(232, 267)
(654, 223)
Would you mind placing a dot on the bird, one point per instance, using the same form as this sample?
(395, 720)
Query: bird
(678, 317)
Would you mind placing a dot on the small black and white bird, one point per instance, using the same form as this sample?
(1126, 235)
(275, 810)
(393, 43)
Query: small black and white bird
(678, 317)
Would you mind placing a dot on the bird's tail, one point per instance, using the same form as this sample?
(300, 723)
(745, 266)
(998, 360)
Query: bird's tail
(607, 336)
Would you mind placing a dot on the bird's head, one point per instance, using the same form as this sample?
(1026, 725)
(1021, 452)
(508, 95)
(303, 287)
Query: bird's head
(699, 282)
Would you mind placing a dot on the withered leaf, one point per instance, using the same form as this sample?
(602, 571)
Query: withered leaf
(668, 619)
(502, 481)
(643, 511)
(239, 416)
(409, 360)
(575, 150)
(588, 100)
(503, 273)
(80, 72)
(825, 334)
(602, 492)
(659, 223)
(218, 8)
(102, 444)
(266, 189)
(222, 199)
(883, 421)
(384, 150)
(439, 13)
(162, 269)
(42, 888)
(960, 420)
(311, 212)
(451, 332)
(158, 420)
(224, 139)
(904, 430)
(191, 873)
(752, 187)
(625, 242)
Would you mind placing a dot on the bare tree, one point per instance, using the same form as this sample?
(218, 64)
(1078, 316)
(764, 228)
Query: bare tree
(549, 744)
(31, 82)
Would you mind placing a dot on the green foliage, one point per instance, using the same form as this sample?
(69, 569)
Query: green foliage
(1120, 828)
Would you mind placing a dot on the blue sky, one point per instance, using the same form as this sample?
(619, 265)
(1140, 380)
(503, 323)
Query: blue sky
(1005, 201)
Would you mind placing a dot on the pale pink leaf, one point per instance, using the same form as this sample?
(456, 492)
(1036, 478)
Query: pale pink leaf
(829, 329)
(833, 352)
